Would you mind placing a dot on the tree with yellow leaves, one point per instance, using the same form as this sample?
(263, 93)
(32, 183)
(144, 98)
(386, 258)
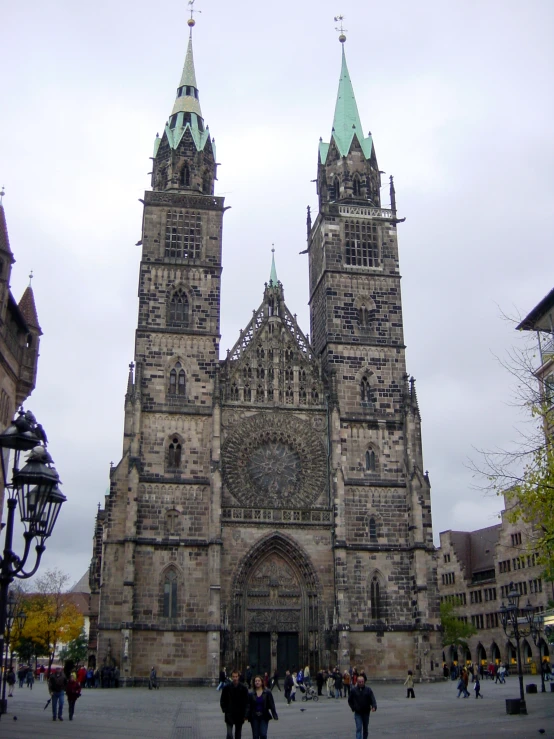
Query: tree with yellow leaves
(52, 617)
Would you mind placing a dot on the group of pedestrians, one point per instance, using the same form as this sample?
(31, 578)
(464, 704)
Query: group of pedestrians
(249, 698)
(60, 685)
(239, 705)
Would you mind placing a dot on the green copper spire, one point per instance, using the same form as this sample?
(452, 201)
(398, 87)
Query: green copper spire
(187, 92)
(273, 281)
(186, 113)
(346, 123)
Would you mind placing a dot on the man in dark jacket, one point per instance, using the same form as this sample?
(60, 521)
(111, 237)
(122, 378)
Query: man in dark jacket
(362, 701)
(233, 702)
(56, 685)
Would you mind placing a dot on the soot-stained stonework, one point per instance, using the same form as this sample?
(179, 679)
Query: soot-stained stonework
(294, 525)
(275, 460)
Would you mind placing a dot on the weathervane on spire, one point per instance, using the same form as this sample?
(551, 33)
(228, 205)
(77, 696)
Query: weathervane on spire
(30, 277)
(339, 19)
(191, 22)
(2, 193)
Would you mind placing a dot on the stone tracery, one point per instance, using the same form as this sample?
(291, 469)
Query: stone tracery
(275, 460)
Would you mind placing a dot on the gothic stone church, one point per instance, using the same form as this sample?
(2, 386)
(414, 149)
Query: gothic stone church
(270, 508)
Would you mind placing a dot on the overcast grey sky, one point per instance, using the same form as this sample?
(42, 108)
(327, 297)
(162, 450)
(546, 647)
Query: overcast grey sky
(458, 97)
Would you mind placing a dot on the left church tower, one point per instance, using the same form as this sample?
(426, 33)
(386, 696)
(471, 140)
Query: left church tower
(156, 589)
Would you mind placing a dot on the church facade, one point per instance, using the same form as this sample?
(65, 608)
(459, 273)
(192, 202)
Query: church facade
(270, 508)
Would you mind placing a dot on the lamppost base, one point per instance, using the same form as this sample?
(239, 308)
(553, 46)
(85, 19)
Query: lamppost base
(3, 706)
(515, 706)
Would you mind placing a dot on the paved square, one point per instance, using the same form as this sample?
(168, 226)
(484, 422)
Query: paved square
(194, 713)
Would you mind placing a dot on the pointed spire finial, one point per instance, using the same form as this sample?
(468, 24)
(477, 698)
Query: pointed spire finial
(191, 22)
(339, 19)
(2, 193)
(30, 277)
(273, 281)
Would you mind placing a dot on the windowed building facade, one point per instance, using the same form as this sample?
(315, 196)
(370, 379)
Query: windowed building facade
(20, 334)
(476, 570)
(270, 508)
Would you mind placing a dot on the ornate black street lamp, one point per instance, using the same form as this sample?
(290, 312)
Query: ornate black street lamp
(516, 628)
(35, 489)
(11, 617)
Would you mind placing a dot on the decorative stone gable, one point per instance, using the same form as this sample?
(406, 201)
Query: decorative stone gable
(273, 363)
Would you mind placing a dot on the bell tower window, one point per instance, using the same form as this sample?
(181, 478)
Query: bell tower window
(185, 176)
(361, 244)
(179, 309)
(183, 235)
(177, 381)
(356, 187)
(174, 454)
(370, 460)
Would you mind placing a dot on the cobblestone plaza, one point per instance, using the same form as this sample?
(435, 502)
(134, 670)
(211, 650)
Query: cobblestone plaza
(194, 713)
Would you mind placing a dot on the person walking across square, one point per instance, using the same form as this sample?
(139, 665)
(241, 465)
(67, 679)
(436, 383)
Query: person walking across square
(261, 709)
(73, 691)
(362, 702)
(234, 703)
(56, 685)
(409, 683)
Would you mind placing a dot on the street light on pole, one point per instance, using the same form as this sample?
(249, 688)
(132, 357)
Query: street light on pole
(12, 617)
(34, 488)
(510, 618)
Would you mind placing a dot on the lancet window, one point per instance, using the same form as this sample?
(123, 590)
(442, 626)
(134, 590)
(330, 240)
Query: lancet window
(170, 594)
(377, 610)
(177, 381)
(174, 454)
(365, 390)
(179, 309)
(370, 460)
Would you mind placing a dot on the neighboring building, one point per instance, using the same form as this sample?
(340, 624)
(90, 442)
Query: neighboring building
(95, 573)
(477, 568)
(79, 595)
(541, 320)
(271, 508)
(19, 338)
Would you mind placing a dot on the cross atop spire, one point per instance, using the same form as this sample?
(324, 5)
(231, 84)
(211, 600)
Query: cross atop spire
(339, 19)
(191, 22)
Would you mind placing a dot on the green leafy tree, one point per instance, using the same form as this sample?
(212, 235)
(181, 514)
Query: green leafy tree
(532, 501)
(454, 631)
(76, 651)
(524, 473)
(52, 617)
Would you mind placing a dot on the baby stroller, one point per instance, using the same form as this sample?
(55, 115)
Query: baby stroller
(308, 693)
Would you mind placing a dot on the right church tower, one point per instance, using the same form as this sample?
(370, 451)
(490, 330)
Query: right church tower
(382, 502)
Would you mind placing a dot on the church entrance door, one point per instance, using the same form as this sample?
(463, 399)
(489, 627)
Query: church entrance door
(287, 653)
(259, 652)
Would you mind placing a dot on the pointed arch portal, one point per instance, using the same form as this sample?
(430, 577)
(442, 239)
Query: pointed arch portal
(276, 608)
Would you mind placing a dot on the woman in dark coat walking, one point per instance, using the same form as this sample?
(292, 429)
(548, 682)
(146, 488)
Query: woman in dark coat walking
(261, 709)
